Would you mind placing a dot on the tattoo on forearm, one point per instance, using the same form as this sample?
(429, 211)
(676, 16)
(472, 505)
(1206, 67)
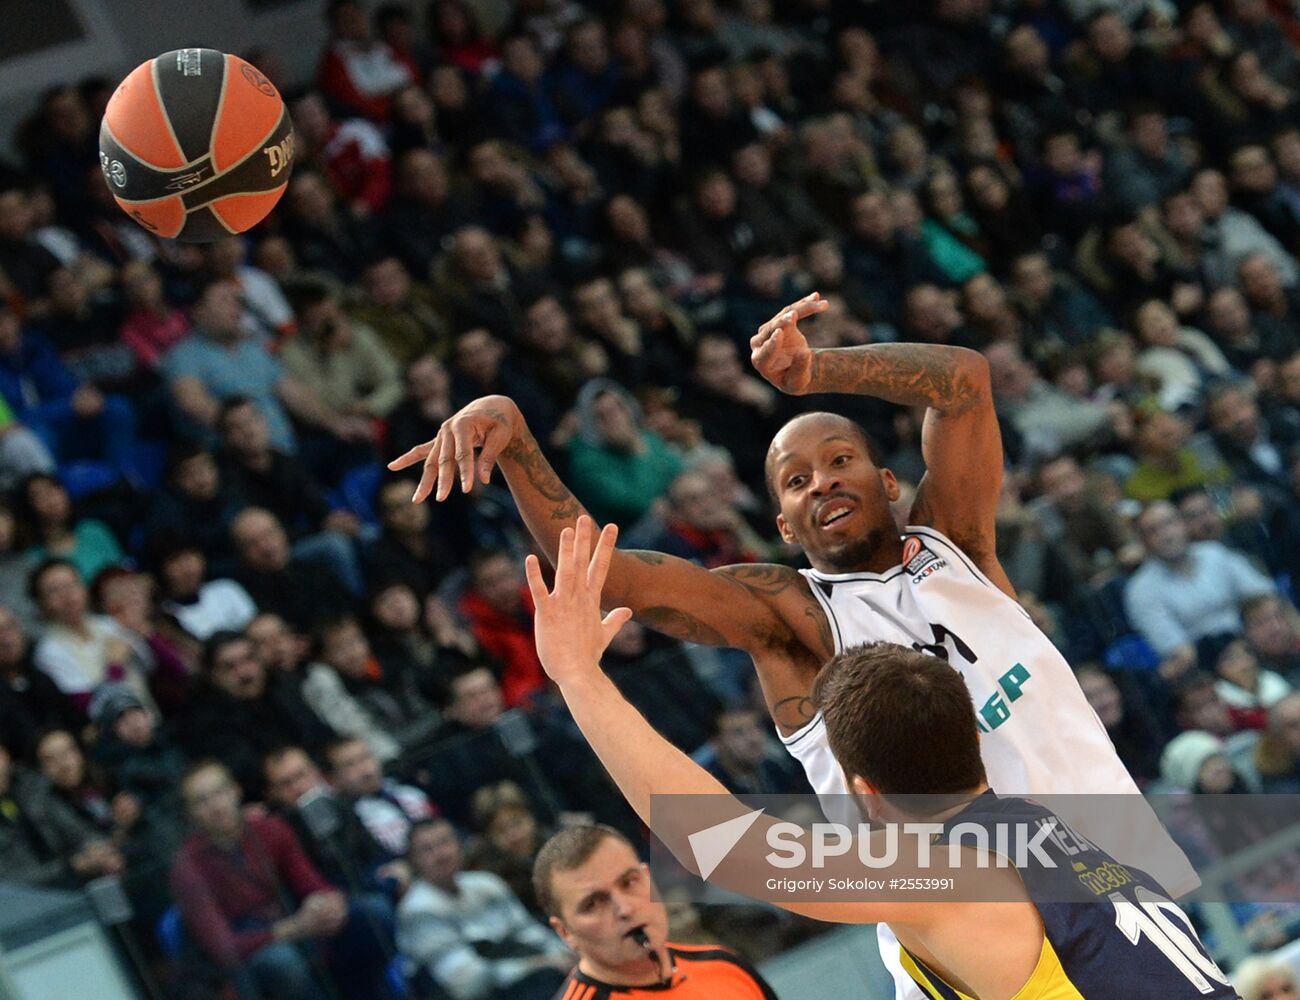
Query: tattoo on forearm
(793, 713)
(908, 374)
(525, 453)
(762, 579)
(680, 625)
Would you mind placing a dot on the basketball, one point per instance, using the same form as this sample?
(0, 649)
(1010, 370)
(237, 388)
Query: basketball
(196, 145)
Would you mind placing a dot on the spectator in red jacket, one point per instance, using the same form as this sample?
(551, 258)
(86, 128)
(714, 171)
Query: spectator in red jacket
(358, 73)
(500, 611)
(352, 153)
(231, 879)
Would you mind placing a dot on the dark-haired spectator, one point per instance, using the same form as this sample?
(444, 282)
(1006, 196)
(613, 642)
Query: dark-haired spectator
(351, 153)
(427, 404)
(510, 836)
(735, 409)
(884, 259)
(16, 564)
(558, 358)
(1186, 590)
(86, 790)
(481, 289)
(141, 761)
(500, 612)
(152, 326)
(458, 40)
(424, 212)
(252, 899)
(359, 72)
(635, 356)
(80, 650)
(740, 757)
(1243, 341)
(523, 112)
(1277, 757)
(700, 524)
(1233, 235)
(415, 543)
(1269, 625)
(468, 931)
(43, 842)
(584, 79)
(1136, 739)
(1048, 419)
(303, 589)
(30, 702)
(240, 711)
(129, 598)
(46, 511)
(400, 310)
(199, 605)
(1256, 190)
(194, 505)
(73, 417)
(1147, 167)
(482, 367)
(25, 263)
(1247, 689)
(1168, 460)
(386, 808)
(421, 644)
(326, 237)
(1244, 440)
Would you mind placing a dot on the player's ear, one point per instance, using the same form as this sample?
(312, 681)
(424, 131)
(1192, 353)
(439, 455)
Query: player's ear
(783, 526)
(861, 786)
(890, 484)
(557, 925)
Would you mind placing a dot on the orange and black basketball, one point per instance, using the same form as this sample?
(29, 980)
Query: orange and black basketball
(196, 145)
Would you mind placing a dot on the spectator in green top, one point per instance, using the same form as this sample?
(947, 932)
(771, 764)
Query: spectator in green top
(1166, 461)
(618, 468)
(45, 512)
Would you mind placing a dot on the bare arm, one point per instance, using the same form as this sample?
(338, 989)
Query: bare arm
(304, 404)
(750, 607)
(193, 399)
(960, 439)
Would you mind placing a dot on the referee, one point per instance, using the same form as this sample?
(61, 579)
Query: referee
(596, 892)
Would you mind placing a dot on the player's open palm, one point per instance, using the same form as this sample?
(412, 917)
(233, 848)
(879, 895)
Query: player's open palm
(485, 426)
(780, 352)
(571, 633)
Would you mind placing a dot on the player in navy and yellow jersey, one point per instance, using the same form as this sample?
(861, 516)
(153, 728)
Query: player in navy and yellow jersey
(596, 892)
(1076, 924)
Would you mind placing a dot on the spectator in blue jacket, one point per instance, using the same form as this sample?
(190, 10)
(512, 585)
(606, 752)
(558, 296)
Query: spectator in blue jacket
(75, 419)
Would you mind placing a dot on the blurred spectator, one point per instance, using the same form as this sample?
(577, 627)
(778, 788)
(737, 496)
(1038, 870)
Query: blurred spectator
(21, 451)
(482, 367)
(25, 263)
(742, 760)
(617, 467)
(1090, 535)
(1178, 358)
(560, 360)
(43, 842)
(1048, 419)
(152, 327)
(1244, 439)
(200, 606)
(480, 287)
(359, 72)
(635, 357)
(72, 417)
(326, 237)
(84, 790)
(424, 212)
(884, 258)
(79, 650)
(252, 899)
(240, 712)
(401, 311)
(1185, 590)
(500, 612)
(1264, 978)
(1147, 167)
(46, 512)
(266, 313)
(386, 808)
(1278, 755)
(1269, 625)
(426, 405)
(1167, 463)
(301, 589)
(141, 761)
(469, 931)
(510, 837)
(1135, 742)
(194, 505)
(129, 598)
(339, 845)
(29, 701)
(351, 153)
(523, 112)
(1245, 688)
(1197, 762)
(700, 525)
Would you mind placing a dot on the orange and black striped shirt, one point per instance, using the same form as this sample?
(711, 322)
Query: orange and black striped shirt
(700, 972)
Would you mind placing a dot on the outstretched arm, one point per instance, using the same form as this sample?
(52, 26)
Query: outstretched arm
(748, 607)
(571, 638)
(960, 439)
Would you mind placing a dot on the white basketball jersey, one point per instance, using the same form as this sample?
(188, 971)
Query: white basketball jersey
(1038, 734)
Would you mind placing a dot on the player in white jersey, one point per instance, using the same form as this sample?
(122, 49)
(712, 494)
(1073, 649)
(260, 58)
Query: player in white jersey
(938, 587)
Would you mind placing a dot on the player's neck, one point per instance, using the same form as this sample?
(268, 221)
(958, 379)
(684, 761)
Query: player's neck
(882, 556)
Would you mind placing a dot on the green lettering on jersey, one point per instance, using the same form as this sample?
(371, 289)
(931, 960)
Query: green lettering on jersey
(996, 711)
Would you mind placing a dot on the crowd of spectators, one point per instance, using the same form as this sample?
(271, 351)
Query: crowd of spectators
(303, 719)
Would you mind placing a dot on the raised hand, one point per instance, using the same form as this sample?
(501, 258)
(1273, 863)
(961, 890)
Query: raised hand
(780, 352)
(486, 425)
(571, 634)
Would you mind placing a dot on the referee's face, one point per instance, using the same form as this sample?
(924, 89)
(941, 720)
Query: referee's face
(601, 902)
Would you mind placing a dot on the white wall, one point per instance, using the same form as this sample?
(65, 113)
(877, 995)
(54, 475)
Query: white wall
(124, 33)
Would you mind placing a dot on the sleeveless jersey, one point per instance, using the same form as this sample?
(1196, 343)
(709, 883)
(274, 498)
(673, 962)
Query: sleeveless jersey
(1108, 930)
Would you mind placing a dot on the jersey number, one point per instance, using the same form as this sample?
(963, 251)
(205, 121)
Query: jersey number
(1153, 917)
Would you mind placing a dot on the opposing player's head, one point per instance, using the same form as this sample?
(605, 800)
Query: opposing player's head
(900, 722)
(826, 478)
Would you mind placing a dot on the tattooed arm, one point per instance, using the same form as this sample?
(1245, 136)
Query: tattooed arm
(765, 610)
(960, 439)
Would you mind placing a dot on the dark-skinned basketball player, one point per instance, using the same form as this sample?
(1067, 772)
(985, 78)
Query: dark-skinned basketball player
(937, 587)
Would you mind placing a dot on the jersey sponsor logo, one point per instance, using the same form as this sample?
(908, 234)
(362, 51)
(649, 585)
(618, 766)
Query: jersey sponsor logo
(918, 561)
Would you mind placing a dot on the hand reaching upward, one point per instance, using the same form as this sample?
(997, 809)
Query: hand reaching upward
(571, 634)
(780, 352)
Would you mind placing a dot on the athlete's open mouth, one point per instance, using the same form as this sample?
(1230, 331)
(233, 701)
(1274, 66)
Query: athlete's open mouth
(833, 511)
